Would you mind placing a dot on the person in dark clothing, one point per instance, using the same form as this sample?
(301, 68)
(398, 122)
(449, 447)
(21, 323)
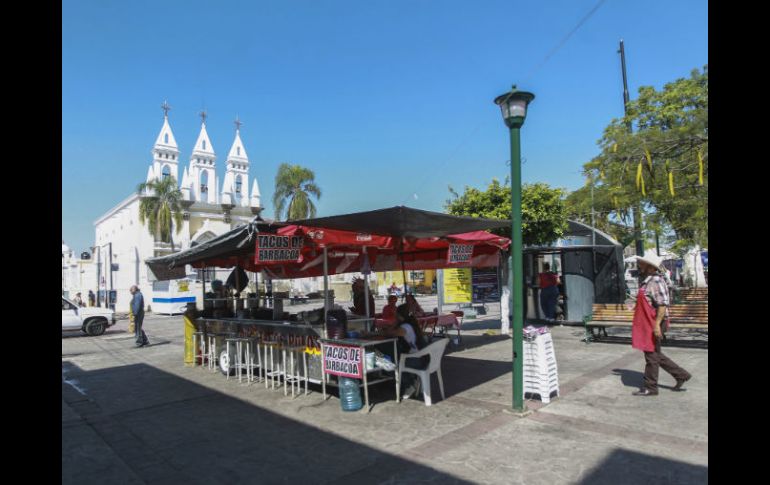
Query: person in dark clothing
(549, 292)
(410, 339)
(137, 308)
(91, 298)
(359, 299)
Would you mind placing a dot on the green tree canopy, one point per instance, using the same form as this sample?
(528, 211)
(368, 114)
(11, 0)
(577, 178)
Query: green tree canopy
(544, 218)
(662, 165)
(159, 209)
(293, 187)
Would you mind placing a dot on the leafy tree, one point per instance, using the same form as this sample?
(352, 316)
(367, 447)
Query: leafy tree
(159, 209)
(293, 186)
(543, 219)
(662, 165)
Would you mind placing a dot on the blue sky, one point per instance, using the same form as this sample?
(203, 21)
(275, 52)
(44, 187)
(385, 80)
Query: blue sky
(389, 102)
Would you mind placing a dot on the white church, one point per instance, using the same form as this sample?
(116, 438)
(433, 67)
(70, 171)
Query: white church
(211, 208)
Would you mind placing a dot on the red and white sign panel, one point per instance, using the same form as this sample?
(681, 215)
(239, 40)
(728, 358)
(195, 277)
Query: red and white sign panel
(340, 360)
(274, 249)
(459, 253)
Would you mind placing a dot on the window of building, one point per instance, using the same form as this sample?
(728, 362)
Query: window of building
(165, 138)
(204, 182)
(166, 172)
(204, 144)
(238, 149)
(238, 185)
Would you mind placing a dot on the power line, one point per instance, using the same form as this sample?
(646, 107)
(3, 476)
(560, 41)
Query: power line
(526, 79)
(565, 39)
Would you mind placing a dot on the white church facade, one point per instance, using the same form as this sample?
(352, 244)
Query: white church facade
(211, 207)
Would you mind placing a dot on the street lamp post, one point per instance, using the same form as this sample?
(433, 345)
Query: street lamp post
(514, 108)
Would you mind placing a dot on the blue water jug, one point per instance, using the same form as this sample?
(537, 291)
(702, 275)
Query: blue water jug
(350, 394)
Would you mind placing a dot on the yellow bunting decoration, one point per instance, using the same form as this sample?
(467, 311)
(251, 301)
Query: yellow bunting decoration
(644, 193)
(615, 148)
(639, 175)
(700, 168)
(649, 157)
(671, 183)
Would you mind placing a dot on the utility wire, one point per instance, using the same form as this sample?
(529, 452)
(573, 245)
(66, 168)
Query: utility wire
(526, 79)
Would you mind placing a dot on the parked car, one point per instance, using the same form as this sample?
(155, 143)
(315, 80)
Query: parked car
(90, 320)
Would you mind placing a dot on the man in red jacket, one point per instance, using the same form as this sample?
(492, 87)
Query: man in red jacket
(647, 330)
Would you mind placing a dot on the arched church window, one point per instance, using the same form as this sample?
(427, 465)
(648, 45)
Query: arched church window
(204, 182)
(166, 172)
(238, 149)
(238, 185)
(165, 138)
(204, 144)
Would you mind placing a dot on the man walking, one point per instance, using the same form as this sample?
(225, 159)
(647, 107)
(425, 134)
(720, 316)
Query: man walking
(646, 333)
(137, 308)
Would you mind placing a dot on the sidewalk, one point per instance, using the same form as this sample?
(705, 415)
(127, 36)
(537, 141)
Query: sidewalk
(139, 416)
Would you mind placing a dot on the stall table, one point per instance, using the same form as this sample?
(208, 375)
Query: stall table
(360, 344)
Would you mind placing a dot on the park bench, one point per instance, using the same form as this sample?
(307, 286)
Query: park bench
(690, 315)
(694, 295)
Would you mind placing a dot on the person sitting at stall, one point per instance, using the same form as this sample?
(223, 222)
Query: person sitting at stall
(410, 340)
(359, 299)
(389, 311)
(414, 307)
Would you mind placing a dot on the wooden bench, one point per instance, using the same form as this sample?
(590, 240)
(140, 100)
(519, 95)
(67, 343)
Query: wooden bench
(694, 295)
(691, 315)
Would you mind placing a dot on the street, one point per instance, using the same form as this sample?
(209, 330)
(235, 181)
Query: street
(140, 416)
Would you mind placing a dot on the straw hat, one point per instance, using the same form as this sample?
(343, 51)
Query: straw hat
(651, 259)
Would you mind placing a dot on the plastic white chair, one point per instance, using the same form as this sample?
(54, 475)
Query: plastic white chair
(436, 352)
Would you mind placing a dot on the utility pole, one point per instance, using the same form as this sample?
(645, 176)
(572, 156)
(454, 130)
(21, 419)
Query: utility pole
(637, 210)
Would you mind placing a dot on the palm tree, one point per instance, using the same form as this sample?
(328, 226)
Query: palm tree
(293, 186)
(160, 208)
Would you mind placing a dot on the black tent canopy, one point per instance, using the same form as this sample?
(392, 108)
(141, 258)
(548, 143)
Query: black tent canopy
(236, 242)
(402, 221)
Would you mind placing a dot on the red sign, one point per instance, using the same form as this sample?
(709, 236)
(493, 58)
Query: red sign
(459, 253)
(341, 360)
(274, 249)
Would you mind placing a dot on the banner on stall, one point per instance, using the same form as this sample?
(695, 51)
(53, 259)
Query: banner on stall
(273, 249)
(340, 360)
(459, 253)
(457, 285)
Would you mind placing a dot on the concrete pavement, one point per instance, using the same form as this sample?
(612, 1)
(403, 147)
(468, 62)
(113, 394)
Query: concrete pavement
(140, 416)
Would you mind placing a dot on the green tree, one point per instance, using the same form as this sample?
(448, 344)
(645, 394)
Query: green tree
(662, 165)
(158, 210)
(543, 220)
(293, 187)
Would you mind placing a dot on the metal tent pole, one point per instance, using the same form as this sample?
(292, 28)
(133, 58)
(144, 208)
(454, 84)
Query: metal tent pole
(366, 291)
(326, 290)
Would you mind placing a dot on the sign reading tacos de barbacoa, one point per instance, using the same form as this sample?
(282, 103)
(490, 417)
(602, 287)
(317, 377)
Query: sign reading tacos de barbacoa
(271, 248)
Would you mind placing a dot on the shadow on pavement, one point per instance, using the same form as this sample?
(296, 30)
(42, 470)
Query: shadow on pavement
(151, 426)
(686, 338)
(630, 378)
(80, 334)
(462, 374)
(469, 342)
(631, 468)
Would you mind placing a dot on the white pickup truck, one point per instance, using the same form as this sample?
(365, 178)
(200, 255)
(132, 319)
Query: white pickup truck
(91, 320)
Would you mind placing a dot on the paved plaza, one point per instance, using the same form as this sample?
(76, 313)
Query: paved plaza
(140, 416)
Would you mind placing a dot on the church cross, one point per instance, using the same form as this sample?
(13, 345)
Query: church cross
(166, 108)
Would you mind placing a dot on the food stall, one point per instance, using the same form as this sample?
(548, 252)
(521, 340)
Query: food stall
(383, 240)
